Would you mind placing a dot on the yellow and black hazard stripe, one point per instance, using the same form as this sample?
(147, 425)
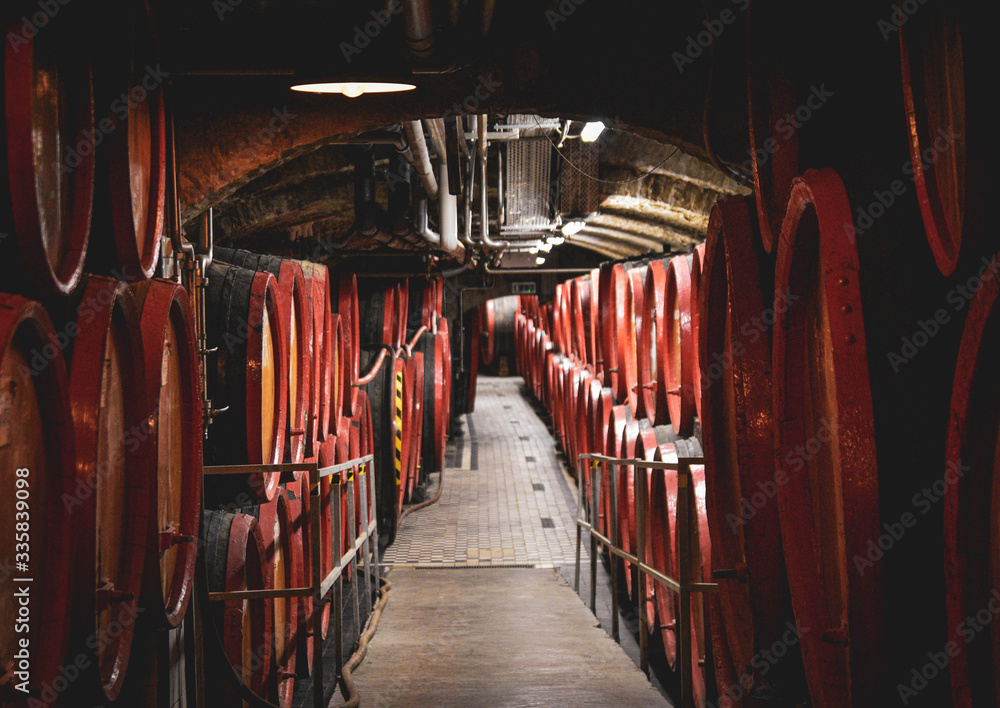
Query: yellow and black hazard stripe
(399, 428)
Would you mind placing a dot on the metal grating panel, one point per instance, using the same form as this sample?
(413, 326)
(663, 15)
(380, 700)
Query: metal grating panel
(577, 193)
(529, 170)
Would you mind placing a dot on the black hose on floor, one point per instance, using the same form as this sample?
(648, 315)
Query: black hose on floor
(347, 687)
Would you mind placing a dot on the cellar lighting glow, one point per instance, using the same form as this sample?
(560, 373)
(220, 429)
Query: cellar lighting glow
(556, 240)
(540, 260)
(533, 250)
(353, 89)
(592, 131)
(545, 246)
(572, 227)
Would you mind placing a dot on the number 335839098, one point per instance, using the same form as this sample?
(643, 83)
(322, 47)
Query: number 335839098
(22, 526)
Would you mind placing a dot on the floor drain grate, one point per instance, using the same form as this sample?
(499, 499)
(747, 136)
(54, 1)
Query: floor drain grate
(547, 523)
(529, 458)
(524, 438)
(538, 487)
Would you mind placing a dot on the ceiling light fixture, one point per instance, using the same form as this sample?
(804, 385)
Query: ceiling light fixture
(540, 260)
(545, 246)
(572, 227)
(353, 89)
(556, 240)
(592, 131)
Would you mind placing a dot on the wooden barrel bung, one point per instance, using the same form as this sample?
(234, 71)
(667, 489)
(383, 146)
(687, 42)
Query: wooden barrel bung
(114, 429)
(235, 557)
(174, 392)
(47, 164)
(36, 446)
(822, 391)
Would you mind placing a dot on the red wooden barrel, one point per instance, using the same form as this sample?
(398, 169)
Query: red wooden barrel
(656, 525)
(697, 261)
(585, 428)
(592, 313)
(680, 378)
(971, 504)
(617, 420)
(321, 373)
(402, 299)
(38, 448)
(244, 322)
(488, 331)
(114, 428)
(382, 400)
(626, 496)
(435, 410)
(577, 320)
(821, 390)
(701, 571)
(613, 285)
(173, 382)
(416, 421)
(235, 556)
(738, 432)
(472, 341)
(344, 299)
(284, 571)
(132, 163)
(663, 545)
(629, 331)
(429, 303)
(302, 539)
(774, 158)
(581, 432)
(336, 350)
(296, 322)
(652, 346)
(937, 77)
(47, 164)
(443, 421)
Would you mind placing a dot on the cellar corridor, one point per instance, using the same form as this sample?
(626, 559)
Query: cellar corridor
(479, 614)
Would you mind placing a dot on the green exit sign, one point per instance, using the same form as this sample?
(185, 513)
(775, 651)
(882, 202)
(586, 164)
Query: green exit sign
(524, 288)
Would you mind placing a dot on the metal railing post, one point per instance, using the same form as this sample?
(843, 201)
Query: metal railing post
(612, 517)
(338, 610)
(365, 546)
(315, 507)
(684, 561)
(352, 527)
(640, 522)
(579, 516)
(595, 502)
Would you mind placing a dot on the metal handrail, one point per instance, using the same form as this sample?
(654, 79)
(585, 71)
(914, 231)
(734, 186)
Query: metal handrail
(683, 586)
(340, 474)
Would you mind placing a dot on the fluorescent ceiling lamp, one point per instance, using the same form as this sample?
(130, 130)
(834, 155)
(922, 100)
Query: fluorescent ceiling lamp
(545, 247)
(533, 250)
(591, 131)
(572, 227)
(353, 89)
(556, 240)
(540, 260)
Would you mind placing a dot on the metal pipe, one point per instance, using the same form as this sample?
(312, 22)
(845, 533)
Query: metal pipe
(536, 271)
(419, 28)
(484, 213)
(452, 272)
(376, 365)
(447, 212)
(435, 128)
(421, 158)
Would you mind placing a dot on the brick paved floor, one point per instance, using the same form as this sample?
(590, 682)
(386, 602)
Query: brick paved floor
(504, 501)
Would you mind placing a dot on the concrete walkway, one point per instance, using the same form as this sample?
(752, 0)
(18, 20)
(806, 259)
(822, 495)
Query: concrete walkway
(479, 614)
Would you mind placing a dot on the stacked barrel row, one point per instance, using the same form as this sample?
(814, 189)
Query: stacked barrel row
(613, 359)
(309, 366)
(100, 409)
